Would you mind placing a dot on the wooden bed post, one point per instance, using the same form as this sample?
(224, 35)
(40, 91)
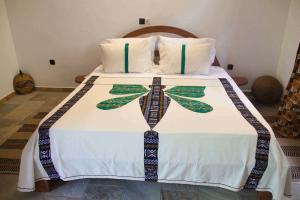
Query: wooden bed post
(264, 196)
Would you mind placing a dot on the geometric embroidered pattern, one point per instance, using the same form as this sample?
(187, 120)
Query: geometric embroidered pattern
(187, 91)
(190, 104)
(117, 102)
(263, 139)
(120, 89)
(151, 155)
(154, 105)
(44, 136)
(178, 93)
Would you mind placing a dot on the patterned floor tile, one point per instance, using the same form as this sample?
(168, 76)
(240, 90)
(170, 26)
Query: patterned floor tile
(14, 144)
(46, 96)
(5, 123)
(28, 128)
(6, 108)
(20, 99)
(24, 110)
(40, 115)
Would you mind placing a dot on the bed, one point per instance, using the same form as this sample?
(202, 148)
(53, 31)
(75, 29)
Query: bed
(200, 130)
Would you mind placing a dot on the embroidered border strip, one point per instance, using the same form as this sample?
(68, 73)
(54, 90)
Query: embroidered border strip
(154, 105)
(263, 139)
(44, 136)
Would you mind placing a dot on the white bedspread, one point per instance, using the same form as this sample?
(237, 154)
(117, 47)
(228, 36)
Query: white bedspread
(212, 149)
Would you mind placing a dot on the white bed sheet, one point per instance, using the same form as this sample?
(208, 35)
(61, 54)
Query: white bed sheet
(31, 169)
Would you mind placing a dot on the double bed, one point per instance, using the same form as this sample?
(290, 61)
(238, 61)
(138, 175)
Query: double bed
(187, 129)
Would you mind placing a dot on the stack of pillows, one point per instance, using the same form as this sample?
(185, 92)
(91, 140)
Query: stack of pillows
(177, 55)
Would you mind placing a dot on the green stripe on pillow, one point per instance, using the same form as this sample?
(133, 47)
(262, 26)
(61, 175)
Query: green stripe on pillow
(183, 58)
(126, 57)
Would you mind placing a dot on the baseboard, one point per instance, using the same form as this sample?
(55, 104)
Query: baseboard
(7, 97)
(48, 89)
(247, 92)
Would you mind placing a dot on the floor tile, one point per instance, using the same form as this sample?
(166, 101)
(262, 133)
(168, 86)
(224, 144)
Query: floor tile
(71, 189)
(135, 190)
(5, 123)
(20, 99)
(6, 108)
(182, 195)
(104, 192)
(24, 110)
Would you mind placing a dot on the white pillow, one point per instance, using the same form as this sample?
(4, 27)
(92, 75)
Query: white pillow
(134, 57)
(169, 40)
(184, 58)
(152, 42)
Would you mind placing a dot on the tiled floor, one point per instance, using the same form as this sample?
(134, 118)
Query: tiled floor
(14, 112)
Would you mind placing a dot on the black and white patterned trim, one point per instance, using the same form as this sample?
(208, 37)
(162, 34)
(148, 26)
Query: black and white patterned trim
(263, 140)
(153, 106)
(44, 136)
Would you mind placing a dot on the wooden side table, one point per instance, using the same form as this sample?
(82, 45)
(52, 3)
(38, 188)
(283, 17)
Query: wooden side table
(240, 80)
(79, 79)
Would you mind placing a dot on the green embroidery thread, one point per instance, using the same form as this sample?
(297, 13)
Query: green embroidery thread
(187, 91)
(119, 89)
(126, 57)
(183, 58)
(192, 105)
(117, 102)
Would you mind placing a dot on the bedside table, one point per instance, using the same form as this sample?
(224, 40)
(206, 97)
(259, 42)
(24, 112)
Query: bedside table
(79, 79)
(240, 80)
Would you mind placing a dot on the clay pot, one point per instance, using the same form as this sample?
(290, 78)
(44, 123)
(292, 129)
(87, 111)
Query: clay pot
(23, 83)
(267, 89)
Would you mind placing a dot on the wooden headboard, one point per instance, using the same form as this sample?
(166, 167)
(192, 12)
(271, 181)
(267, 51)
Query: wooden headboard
(164, 29)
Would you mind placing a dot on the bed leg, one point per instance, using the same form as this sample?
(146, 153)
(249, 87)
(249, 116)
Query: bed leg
(47, 186)
(264, 196)
(42, 186)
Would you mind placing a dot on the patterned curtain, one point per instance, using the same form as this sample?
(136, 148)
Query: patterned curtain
(288, 122)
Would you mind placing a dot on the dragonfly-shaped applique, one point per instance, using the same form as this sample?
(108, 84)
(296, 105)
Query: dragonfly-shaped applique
(155, 102)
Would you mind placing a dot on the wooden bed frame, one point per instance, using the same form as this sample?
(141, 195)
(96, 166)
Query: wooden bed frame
(46, 186)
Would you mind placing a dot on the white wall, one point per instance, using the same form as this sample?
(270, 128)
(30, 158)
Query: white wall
(249, 33)
(8, 59)
(290, 43)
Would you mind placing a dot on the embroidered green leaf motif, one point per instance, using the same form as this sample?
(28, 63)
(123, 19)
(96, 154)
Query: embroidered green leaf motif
(187, 91)
(117, 102)
(119, 89)
(192, 105)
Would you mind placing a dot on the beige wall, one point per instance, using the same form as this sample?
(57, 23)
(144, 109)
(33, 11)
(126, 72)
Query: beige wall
(290, 43)
(8, 59)
(249, 33)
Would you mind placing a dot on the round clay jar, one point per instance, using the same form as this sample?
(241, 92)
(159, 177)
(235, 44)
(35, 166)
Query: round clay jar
(23, 83)
(267, 89)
